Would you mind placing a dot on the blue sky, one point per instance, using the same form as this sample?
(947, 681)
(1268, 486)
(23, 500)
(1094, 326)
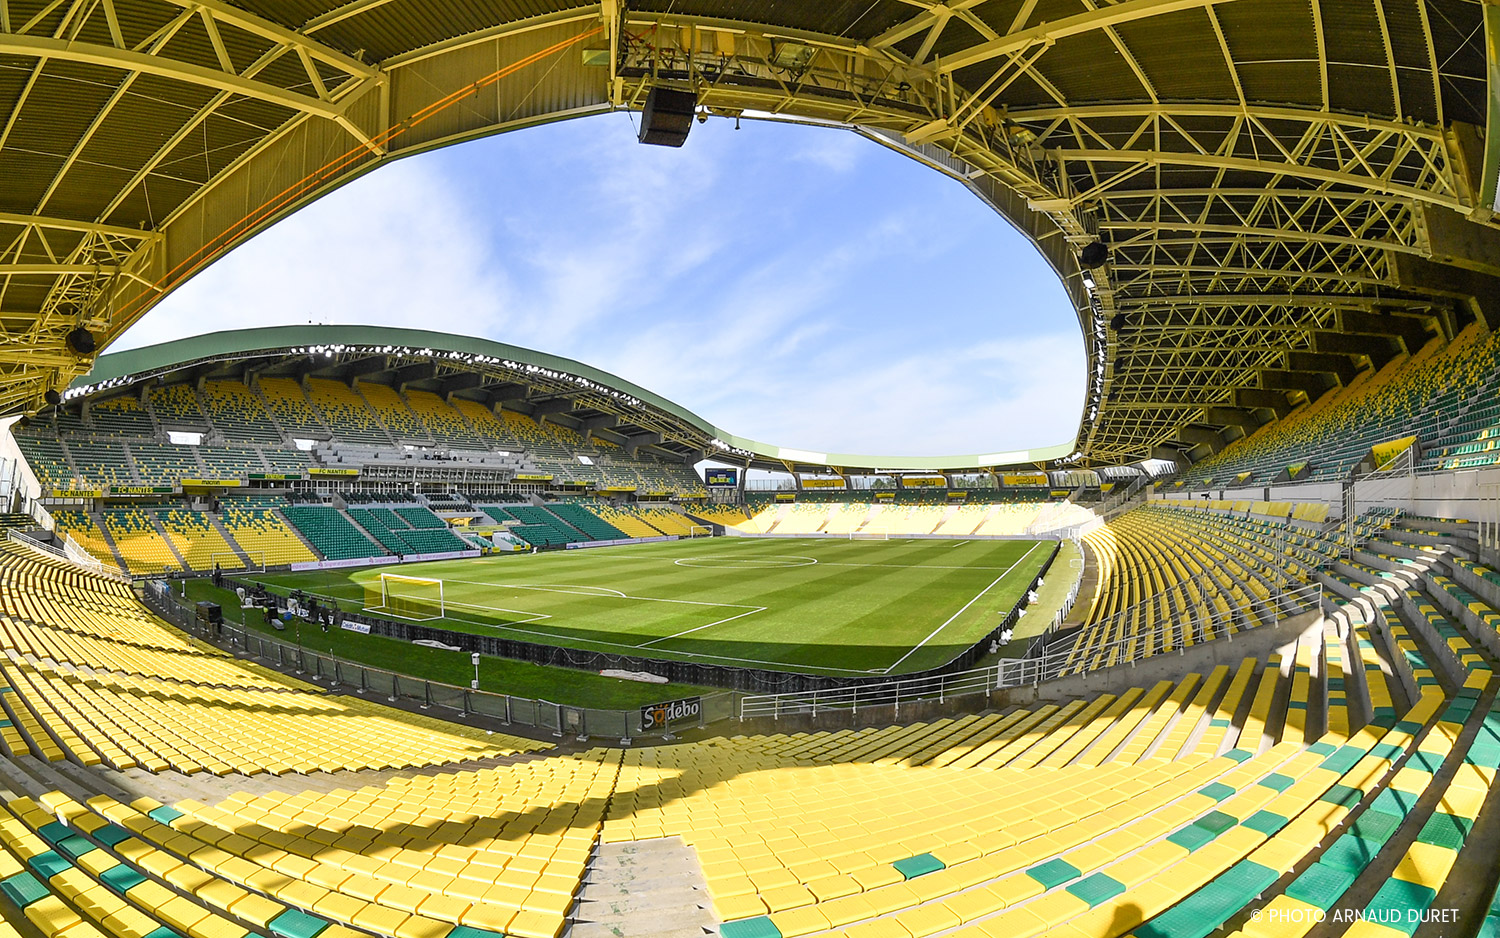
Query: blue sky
(799, 286)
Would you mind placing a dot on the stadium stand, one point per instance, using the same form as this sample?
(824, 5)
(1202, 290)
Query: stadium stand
(139, 542)
(727, 515)
(626, 521)
(164, 463)
(345, 409)
(392, 412)
(1160, 810)
(408, 530)
(585, 517)
(444, 421)
(289, 406)
(537, 526)
(82, 527)
(198, 541)
(258, 529)
(238, 414)
(47, 458)
(176, 405)
(667, 521)
(228, 462)
(121, 417)
(154, 700)
(331, 533)
(102, 462)
(1442, 395)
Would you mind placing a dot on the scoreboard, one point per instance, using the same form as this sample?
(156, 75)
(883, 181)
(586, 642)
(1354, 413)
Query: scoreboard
(721, 478)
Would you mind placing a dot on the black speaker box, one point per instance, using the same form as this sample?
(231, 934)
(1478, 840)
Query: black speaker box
(668, 117)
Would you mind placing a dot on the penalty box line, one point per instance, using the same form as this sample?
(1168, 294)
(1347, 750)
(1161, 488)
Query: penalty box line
(965, 607)
(604, 591)
(507, 627)
(583, 643)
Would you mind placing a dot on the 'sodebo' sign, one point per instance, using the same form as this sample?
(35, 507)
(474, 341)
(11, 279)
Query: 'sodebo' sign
(659, 716)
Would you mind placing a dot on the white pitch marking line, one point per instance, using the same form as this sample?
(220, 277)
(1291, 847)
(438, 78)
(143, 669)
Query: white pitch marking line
(710, 625)
(616, 593)
(781, 665)
(769, 562)
(961, 611)
(511, 627)
(530, 616)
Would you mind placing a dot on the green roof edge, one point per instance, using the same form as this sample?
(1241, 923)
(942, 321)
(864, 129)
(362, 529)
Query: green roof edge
(165, 355)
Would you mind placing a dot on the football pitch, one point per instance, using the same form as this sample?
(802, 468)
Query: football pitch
(832, 607)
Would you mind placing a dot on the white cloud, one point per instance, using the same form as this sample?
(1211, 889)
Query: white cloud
(839, 151)
(989, 397)
(750, 277)
(397, 248)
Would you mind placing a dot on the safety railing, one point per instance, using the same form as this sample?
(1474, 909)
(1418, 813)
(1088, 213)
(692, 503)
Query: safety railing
(71, 552)
(1032, 669)
(333, 671)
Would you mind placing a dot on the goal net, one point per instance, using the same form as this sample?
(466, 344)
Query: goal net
(871, 534)
(405, 597)
(699, 530)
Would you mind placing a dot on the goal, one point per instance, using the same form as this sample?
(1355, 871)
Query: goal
(414, 598)
(871, 534)
(699, 530)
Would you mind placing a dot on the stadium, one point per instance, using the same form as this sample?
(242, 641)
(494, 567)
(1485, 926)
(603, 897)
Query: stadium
(359, 631)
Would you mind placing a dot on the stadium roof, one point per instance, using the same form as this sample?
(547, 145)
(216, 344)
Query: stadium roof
(480, 369)
(1291, 190)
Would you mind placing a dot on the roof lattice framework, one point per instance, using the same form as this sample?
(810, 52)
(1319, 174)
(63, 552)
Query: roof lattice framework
(1291, 191)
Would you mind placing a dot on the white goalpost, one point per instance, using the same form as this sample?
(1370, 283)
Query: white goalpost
(700, 530)
(414, 598)
(871, 534)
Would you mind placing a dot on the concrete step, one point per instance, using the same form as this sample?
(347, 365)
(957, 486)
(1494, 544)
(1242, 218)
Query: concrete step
(643, 888)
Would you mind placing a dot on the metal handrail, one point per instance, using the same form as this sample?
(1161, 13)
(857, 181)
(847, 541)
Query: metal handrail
(70, 552)
(521, 711)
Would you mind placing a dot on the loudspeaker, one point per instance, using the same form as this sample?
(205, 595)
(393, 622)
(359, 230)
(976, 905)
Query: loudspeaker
(668, 117)
(1093, 254)
(52, 397)
(82, 341)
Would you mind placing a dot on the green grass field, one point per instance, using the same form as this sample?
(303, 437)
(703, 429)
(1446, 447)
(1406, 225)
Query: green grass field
(498, 675)
(830, 607)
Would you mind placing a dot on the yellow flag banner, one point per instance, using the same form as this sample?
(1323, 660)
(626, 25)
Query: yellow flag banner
(823, 483)
(1025, 478)
(924, 482)
(1385, 453)
(77, 493)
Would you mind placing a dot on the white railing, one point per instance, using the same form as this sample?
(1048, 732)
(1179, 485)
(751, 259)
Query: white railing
(82, 558)
(1020, 672)
(70, 552)
(17, 537)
